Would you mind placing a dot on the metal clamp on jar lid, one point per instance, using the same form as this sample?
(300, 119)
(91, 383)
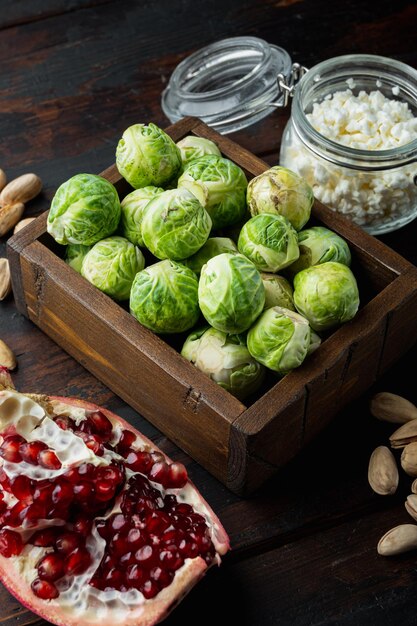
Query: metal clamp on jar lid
(231, 84)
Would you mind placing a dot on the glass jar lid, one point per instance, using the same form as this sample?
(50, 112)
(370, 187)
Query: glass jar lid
(229, 84)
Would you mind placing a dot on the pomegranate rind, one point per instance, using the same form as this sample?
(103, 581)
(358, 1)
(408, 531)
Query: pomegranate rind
(151, 611)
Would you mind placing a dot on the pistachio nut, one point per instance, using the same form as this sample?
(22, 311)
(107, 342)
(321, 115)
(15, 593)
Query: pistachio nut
(22, 224)
(382, 471)
(10, 214)
(392, 408)
(5, 279)
(411, 505)
(400, 539)
(409, 459)
(405, 434)
(7, 357)
(414, 486)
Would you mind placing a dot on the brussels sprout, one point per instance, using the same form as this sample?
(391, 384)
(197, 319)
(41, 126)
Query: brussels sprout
(85, 209)
(192, 147)
(269, 241)
(231, 293)
(212, 247)
(319, 245)
(279, 339)
(164, 297)
(315, 342)
(281, 191)
(224, 185)
(146, 155)
(133, 207)
(111, 265)
(326, 294)
(225, 359)
(175, 225)
(278, 291)
(74, 255)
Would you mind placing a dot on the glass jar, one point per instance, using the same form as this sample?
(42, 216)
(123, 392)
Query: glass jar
(230, 84)
(375, 188)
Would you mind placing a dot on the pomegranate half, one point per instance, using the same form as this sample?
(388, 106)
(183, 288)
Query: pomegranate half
(97, 525)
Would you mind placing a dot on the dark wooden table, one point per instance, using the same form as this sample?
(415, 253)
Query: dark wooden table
(74, 74)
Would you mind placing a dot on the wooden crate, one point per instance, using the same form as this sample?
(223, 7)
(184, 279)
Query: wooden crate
(242, 445)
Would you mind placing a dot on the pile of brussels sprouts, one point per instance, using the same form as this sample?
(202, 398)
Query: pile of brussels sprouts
(217, 246)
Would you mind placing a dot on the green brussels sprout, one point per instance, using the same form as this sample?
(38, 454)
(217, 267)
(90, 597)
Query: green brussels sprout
(212, 247)
(164, 297)
(278, 291)
(175, 225)
(85, 209)
(74, 255)
(222, 183)
(279, 339)
(326, 294)
(133, 207)
(315, 342)
(281, 191)
(269, 241)
(231, 293)
(111, 265)
(146, 155)
(225, 359)
(192, 147)
(319, 245)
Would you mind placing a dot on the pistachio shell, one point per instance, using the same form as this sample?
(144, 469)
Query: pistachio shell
(411, 505)
(397, 540)
(382, 471)
(405, 434)
(5, 279)
(409, 459)
(392, 408)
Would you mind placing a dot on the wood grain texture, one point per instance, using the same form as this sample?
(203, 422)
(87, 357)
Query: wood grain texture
(74, 75)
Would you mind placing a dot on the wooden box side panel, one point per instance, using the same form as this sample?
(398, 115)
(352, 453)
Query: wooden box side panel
(134, 363)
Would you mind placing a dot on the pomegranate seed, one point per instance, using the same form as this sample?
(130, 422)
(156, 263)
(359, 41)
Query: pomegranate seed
(126, 559)
(12, 516)
(171, 537)
(78, 562)
(102, 424)
(86, 470)
(117, 522)
(105, 491)
(32, 514)
(62, 492)
(189, 549)
(157, 522)
(139, 461)
(160, 473)
(82, 525)
(177, 476)
(145, 505)
(44, 538)
(50, 567)
(84, 427)
(135, 538)
(29, 451)
(103, 529)
(21, 487)
(119, 544)
(65, 422)
(44, 589)
(126, 440)
(134, 576)
(149, 589)
(3, 507)
(93, 443)
(114, 578)
(170, 558)
(10, 448)
(111, 474)
(43, 492)
(4, 480)
(11, 543)
(162, 577)
(48, 459)
(83, 490)
(183, 508)
(145, 556)
(68, 542)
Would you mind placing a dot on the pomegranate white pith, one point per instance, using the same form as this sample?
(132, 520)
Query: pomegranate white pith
(84, 536)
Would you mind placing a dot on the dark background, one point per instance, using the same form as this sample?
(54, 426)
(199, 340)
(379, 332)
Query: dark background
(74, 75)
